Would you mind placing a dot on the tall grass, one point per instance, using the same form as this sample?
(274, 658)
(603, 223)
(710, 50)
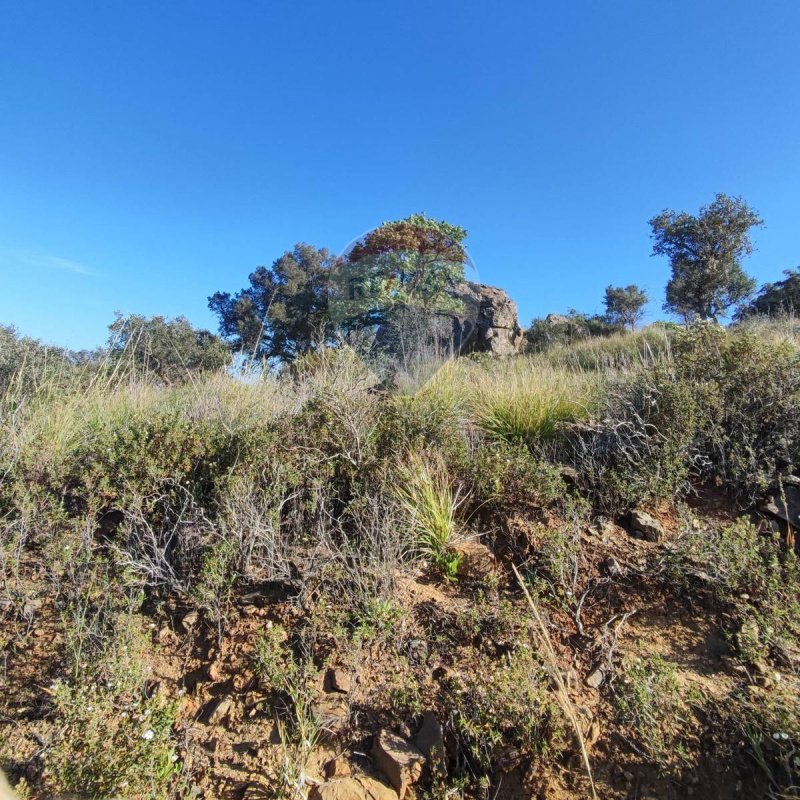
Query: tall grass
(621, 351)
(523, 401)
(431, 502)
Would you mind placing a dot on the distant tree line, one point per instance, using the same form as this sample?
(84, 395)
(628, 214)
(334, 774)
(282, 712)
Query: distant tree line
(309, 298)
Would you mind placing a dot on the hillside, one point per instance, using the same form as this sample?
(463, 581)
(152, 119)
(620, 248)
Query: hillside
(557, 575)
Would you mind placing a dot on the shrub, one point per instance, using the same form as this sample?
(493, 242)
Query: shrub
(649, 700)
(497, 710)
(508, 477)
(750, 578)
(725, 405)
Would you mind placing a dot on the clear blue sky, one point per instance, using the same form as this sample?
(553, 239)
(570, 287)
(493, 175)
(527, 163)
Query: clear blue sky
(152, 153)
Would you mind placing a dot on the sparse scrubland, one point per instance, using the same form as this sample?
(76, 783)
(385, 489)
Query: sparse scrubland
(305, 583)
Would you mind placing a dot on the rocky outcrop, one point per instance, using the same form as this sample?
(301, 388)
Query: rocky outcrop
(399, 760)
(488, 322)
(484, 320)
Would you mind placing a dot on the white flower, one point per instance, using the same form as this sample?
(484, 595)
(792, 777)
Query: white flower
(148, 735)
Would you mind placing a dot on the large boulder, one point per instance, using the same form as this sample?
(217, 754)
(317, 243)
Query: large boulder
(485, 322)
(488, 322)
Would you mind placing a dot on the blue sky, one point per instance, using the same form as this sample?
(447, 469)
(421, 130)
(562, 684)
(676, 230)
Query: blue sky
(153, 153)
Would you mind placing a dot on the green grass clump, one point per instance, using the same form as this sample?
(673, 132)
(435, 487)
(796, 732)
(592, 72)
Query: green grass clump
(431, 502)
(521, 401)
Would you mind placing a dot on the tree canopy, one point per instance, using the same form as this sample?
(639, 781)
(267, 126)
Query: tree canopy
(705, 253)
(169, 349)
(781, 297)
(283, 313)
(625, 305)
(409, 264)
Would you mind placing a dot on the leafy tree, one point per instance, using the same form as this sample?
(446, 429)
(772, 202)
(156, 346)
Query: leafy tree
(409, 264)
(26, 362)
(705, 253)
(283, 313)
(625, 305)
(781, 297)
(170, 349)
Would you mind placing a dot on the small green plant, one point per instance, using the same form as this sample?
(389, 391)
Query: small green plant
(113, 746)
(650, 702)
(431, 503)
(507, 705)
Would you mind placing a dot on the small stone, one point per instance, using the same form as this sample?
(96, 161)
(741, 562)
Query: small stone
(648, 526)
(337, 768)
(430, 738)
(189, 621)
(569, 678)
(217, 710)
(332, 711)
(362, 788)
(398, 759)
(215, 671)
(595, 679)
(339, 680)
(611, 567)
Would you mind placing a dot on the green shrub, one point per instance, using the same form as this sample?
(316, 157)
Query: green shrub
(497, 709)
(725, 406)
(751, 579)
(650, 702)
(507, 477)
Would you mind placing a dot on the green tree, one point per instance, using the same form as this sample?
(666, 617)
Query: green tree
(407, 265)
(26, 362)
(283, 313)
(705, 253)
(170, 349)
(781, 297)
(625, 305)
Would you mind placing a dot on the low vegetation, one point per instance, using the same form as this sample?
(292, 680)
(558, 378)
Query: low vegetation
(226, 543)
(317, 567)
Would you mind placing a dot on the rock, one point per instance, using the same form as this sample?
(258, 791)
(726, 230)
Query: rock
(595, 679)
(649, 527)
(189, 621)
(488, 322)
(339, 680)
(612, 568)
(361, 788)
(430, 739)
(398, 759)
(216, 710)
(215, 672)
(785, 505)
(337, 768)
(332, 711)
(477, 560)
